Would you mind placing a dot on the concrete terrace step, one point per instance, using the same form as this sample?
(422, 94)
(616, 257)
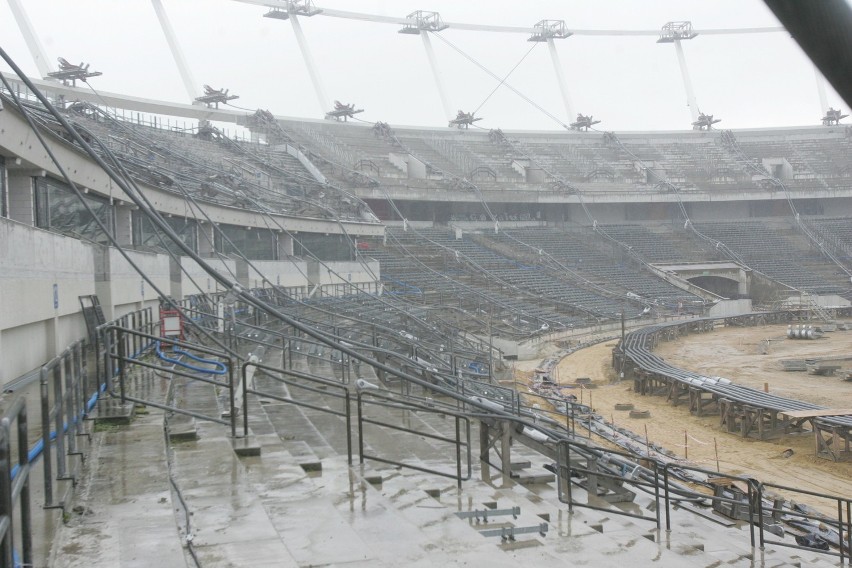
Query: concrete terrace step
(337, 517)
(572, 539)
(229, 525)
(122, 514)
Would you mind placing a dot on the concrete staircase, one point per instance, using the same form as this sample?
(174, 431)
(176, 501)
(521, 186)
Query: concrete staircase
(299, 503)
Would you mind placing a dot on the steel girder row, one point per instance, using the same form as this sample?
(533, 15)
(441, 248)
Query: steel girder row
(745, 410)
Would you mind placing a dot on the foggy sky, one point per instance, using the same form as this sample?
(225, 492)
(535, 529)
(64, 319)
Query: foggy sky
(630, 83)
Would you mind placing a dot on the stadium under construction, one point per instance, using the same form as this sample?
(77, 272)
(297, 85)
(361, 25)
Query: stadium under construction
(297, 342)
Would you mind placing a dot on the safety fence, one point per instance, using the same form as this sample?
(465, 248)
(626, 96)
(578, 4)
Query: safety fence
(66, 396)
(375, 409)
(216, 368)
(15, 487)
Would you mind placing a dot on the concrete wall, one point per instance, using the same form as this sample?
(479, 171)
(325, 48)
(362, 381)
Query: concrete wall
(332, 273)
(603, 213)
(728, 308)
(840, 207)
(120, 288)
(287, 273)
(345, 272)
(41, 276)
(194, 280)
(718, 210)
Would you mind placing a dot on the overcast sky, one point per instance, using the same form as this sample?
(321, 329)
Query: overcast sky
(630, 83)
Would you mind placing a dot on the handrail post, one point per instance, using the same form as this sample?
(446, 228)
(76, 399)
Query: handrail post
(245, 399)
(849, 525)
(85, 348)
(132, 325)
(840, 530)
(348, 402)
(109, 369)
(755, 501)
(667, 497)
(232, 398)
(6, 503)
(122, 353)
(58, 407)
(24, 497)
(360, 431)
(45, 438)
(568, 476)
(97, 355)
(70, 406)
(458, 454)
(657, 491)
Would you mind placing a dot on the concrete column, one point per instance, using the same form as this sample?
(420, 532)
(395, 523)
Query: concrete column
(123, 225)
(742, 283)
(205, 239)
(22, 199)
(3, 378)
(285, 246)
(4, 187)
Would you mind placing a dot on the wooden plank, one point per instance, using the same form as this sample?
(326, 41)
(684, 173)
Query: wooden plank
(817, 412)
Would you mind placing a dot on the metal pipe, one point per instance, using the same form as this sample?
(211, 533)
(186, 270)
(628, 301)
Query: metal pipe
(309, 63)
(687, 82)
(177, 53)
(436, 73)
(560, 76)
(37, 51)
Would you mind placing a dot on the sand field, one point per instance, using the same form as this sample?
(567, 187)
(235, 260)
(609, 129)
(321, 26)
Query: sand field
(735, 353)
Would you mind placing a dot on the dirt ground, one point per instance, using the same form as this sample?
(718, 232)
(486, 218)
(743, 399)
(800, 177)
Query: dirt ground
(733, 353)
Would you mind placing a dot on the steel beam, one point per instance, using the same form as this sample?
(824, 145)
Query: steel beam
(37, 51)
(177, 53)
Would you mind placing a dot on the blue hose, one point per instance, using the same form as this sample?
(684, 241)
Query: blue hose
(38, 447)
(220, 368)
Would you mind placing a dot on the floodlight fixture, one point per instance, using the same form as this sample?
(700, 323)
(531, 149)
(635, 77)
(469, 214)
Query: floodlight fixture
(676, 31)
(421, 20)
(294, 7)
(550, 29)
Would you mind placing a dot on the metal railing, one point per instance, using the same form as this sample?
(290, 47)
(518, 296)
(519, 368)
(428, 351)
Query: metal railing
(291, 379)
(565, 480)
(139, 320)
(843, 527)
(15, 487)
(377, 399)
(119, 361)
(66, 399)
(751, 493)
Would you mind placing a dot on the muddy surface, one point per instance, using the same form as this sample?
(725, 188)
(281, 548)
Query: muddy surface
(735, 353)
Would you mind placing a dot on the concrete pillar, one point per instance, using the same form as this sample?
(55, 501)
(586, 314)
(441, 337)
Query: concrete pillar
(206, 239)
(22, 198)
(4, 185)
(123, 225)
(285, 246)
(3, 378)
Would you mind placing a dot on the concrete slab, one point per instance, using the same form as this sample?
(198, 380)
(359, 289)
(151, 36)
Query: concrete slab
(122, 514)
(111, 411)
